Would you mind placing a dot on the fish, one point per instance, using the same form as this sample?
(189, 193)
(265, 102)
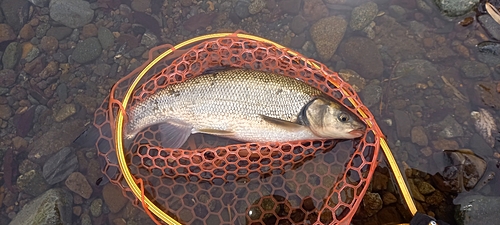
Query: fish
(485, 125)
(244, 105)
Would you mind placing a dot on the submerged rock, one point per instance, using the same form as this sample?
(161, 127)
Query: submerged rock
(478, 209)
(327, 34)
(454, 8)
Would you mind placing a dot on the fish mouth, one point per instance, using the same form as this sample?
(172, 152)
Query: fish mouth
(357, 133)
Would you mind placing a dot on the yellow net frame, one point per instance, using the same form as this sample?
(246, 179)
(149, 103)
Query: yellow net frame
(136, 190)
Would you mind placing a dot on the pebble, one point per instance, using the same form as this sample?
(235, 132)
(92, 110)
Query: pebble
(403, 123)
(388, 198)
(32, 183)
(326, 34)
(474, 69)
(41, 30)
(27, 32)
(49, 44)
(5, 112)
(425, 188)
(113, 197)
(256, 6)
(290, 6)
(354, 50)
(363, 15)
(77, 183)
(59, 166)
(414, 71)
(140, 5)
(450, 128)
(298, 24)
(105, 37)
(71, 13)
(87, 50)
(15, 12)
(415, 193)
(96, 207)
(241, 9)
(314, 10)
(456, 7)
(418, 136)
(102, 69)
(66, 111)
(149, 40)
(59, 32)
(7, 77)
(11, 55)
(6, 33)
(372, 203)
(53, 207)
(89, 30)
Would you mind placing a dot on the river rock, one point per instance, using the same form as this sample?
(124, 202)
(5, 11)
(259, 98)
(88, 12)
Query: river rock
(326, 34)
(59, 32)
(490, 25)
(77, 183)
(354, 51)
(105, 37)
(71, 13)
(53, 207)
(474, 69)
(298, 24)
(372, 203)
(6, 33)
(11, 55)
(32, 183)
(414, 71)
(60, 166)
(290, 6)
(453, 8)
(371, 94)
(5, 112)
(450, 128)
(7, 77)
(27, 32)
(87, 50)
(363, 15)
(16, 12)
(314, 10)
(403, 123)
(113, 197)
(40, 3)
(418, 136)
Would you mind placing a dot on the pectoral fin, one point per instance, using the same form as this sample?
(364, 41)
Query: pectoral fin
(174, 133)
(216, 132)
(281, 123)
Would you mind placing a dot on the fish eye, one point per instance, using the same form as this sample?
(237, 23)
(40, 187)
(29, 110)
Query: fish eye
(343, 117)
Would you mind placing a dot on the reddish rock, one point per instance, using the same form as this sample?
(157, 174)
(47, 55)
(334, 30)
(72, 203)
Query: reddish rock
(7, 78)
(27, 32)
(314, 10)
(89, 30)
(49, 44)
(77, 183)
(6, 33)
(34, 67)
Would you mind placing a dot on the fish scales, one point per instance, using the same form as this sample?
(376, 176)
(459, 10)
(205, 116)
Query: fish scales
(223, 100)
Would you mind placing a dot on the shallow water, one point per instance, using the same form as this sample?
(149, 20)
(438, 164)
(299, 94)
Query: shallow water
(420, 74)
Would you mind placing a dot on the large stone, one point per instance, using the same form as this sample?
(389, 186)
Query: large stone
(60, 165)
(87, 50)
(6, 33)
(53, 207)
(16, 12)
(454, 8)
(11, 55)
(326, 34)
(71, 13)
(362, 54)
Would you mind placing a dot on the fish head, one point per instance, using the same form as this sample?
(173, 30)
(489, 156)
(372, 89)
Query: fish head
(328, 119)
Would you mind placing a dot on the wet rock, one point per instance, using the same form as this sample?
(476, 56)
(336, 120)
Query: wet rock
(89, 30)
(49, 44)
(105, 37)
(62, 92)
(102, 69)
(27, 165)
(415, 71)
(354, 53)
(490, 25)
(389, 198)
(379, 182)
(397, 11)
(443, 144)
(113, 197)
(415, 193)
(60, 57)
(23, 121)
(40, 3)
(454, 8)
(26, 33)
(7, 78)
(371, 94)
(6, 33)
(256, 6)
(403, 123)
(436, 198)
(66, 111)
(353, 78)
(96, 207)
(241, 9)
(11, 55)
(140, 5)
(93, 171)
(326, 34)
(290, 6)
(298, 24)
(77, 183)
(372, 203)
(15, 12)
(474, 69)
(298, 41)
(57, 137)
(41, 30)
(60, 166)
(53, 207)
(32, 54)
(59, 32)
(314, 10)
(423, 6)
(87, 50)
(71, 13)
(32, 183)
(440, 54)
(450, 128)
(363, 15)
(418, 136)
(477, 209)
(19, 142)
(425, 188)
(5, 112)
(149, 40)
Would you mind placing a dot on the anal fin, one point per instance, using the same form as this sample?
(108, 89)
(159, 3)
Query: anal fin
(174, 133)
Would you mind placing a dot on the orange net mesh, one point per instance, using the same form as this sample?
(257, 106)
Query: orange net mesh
(214, 180)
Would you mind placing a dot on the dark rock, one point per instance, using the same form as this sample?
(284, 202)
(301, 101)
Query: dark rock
(59, 32)
(200, 20)
(7, 77)
(456, 7)
(102, 69)
(490, 25)
(314, 10)
(23, 122)
(11, 55)
(41, 30)
(105, 37)
(326, 34)
(60, 166)
(6, 33)
(403, 123)
(32, 183)
(450, 128)
(241, 9)
(474, 69)
(71, 13)
(87, 50)
(53, 207)
(371, 94)
(15, 12)
(354, 53)
(298, 24)
(290, 6)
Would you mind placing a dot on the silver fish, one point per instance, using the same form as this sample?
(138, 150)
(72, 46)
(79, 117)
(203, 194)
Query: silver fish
(485, 125)
(244, 105)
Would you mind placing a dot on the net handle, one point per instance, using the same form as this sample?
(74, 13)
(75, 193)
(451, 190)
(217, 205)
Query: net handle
(120, 119)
